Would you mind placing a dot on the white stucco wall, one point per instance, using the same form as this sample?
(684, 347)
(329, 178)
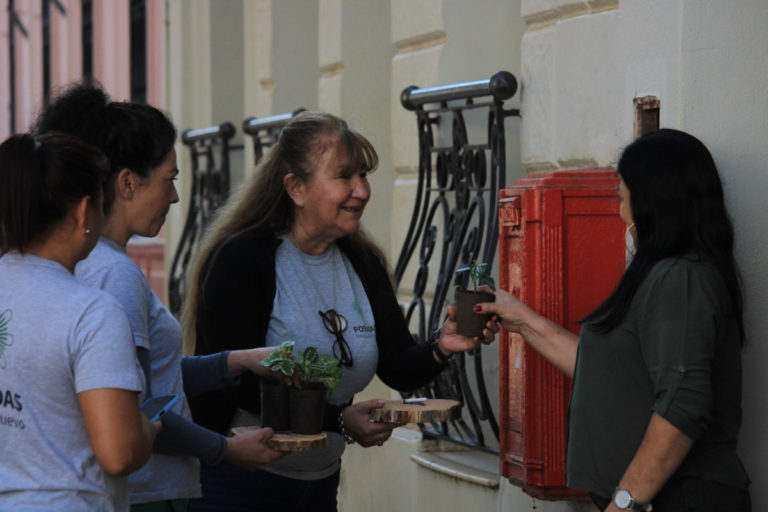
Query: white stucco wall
(707, 62)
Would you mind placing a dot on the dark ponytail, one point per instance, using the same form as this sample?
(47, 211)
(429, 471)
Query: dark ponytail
(41, 179)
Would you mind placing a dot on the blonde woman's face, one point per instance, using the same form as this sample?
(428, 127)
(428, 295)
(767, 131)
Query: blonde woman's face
(331, 203)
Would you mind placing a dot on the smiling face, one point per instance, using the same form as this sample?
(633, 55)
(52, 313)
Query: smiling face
(153, 196)
(329, 205)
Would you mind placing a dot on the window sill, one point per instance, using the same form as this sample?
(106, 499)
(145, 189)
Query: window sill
(468, 466)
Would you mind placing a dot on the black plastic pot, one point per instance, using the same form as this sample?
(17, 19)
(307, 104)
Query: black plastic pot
(307, 408)
(274, 405)
(469, 323)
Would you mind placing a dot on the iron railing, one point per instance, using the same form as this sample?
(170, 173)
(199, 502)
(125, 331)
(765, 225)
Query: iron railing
(455, 222)
(209, 149)
(265, 130)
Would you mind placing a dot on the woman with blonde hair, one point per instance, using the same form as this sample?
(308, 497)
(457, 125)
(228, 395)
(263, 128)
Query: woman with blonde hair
(286, 260)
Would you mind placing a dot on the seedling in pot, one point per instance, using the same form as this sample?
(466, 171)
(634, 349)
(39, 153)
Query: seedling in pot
(478, 275)
(469, 323)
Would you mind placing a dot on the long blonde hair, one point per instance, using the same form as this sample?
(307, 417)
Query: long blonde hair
(262, 204)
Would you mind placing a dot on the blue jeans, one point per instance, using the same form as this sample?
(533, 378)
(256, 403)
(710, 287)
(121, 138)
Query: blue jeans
(694, 495)
(229, 488)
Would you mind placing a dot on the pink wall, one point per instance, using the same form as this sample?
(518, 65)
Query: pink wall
(29, 67)
(111, 59)
(5, 90)
(66, 44)
(112, 47)
(111, 67)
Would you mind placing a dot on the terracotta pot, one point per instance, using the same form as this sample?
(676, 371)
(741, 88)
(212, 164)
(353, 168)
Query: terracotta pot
(274, 405)
(307, 408)
(469, 323)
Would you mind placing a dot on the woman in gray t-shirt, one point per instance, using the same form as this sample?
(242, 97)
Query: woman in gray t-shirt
(138, 192)
(69, 379)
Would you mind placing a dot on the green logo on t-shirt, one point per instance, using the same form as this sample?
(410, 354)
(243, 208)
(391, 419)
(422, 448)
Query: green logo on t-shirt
(6, 338)
(357, 308)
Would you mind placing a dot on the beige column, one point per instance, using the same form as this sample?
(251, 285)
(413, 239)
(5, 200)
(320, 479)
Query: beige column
(329, 56)
(418, 33)
(257, 58)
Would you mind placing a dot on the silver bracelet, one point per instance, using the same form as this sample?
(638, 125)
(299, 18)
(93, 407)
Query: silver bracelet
(347, 438)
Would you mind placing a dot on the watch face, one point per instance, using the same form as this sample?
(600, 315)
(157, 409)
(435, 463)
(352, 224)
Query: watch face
(622, 499)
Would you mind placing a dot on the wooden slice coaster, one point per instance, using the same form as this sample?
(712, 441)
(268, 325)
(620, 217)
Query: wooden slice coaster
(290, 442)
(433, 409)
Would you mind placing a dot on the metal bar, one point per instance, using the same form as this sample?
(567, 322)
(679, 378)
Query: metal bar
(59, 6)
(253, 125)
(225, 130)
(501, 85)
(209, 190)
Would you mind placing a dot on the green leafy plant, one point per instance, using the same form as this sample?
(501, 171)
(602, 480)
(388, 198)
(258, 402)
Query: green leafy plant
(281, 360)
(316, 367)
(311, 365)
(478, 274)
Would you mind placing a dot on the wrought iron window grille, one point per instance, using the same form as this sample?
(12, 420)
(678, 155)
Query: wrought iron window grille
(455, 222)
(265, 131)
(209, 149)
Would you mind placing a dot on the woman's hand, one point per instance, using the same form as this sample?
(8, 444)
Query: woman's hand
(555, 343)
(508, 310)
(249, 450)
(366, 432)
(240, 361)
(450, 341)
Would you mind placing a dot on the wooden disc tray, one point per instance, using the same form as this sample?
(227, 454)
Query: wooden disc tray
(430, 410)
(290, 442)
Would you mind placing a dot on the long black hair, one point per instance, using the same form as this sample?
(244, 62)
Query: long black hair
(132, 135)
(678, 206)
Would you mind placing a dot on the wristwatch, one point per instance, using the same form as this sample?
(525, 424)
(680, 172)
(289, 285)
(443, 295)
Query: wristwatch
(624, 501)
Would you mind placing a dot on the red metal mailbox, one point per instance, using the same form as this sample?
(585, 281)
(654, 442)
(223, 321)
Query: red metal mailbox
(562, 246)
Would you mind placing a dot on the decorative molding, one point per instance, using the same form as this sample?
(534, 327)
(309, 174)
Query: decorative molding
(421, 41)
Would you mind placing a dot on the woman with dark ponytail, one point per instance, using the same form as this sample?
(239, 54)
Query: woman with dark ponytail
(139, 189)
(656, 405)
(72, 427)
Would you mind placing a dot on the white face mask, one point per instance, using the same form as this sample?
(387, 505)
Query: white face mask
(629, 243)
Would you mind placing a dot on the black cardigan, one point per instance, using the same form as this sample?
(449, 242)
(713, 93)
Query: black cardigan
(234, 310)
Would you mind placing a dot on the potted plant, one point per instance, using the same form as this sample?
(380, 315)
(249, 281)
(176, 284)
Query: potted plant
(319, 375)
(469, 323)
(274, 395)
(300, 410)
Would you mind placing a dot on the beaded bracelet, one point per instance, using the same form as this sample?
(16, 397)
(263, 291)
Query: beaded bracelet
(347, 438)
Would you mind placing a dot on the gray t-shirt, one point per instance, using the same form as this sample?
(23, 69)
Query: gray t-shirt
(58, 338)
(109, 268)
(306, 285)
